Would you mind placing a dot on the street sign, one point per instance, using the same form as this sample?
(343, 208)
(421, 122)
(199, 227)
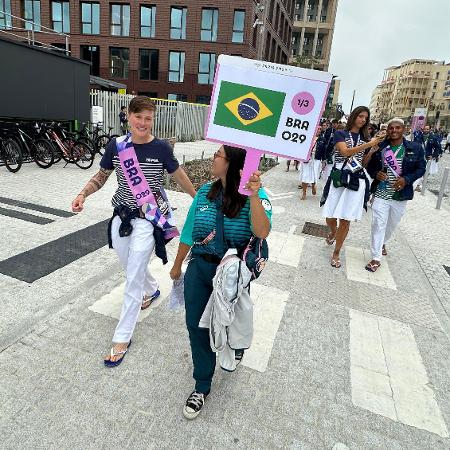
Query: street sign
(265, 107)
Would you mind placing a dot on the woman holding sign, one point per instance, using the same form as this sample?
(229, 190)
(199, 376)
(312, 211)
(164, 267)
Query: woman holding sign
(347, 190)
(243, 217)
(141, 212)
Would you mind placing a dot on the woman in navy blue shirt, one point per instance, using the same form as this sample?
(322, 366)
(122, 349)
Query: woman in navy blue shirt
(342, 203)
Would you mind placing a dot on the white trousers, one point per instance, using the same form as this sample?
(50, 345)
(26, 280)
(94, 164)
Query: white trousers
(386, 215)
(134, 253)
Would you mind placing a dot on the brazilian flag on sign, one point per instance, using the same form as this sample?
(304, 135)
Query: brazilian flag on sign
(249, 108)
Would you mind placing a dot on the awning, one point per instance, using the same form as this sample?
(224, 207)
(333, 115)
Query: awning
(106, 83)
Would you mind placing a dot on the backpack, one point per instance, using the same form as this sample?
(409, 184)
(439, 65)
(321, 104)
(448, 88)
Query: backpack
(255, 254)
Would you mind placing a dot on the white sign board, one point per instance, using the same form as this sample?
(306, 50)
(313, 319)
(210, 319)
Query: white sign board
(272, 108)
(97, 114)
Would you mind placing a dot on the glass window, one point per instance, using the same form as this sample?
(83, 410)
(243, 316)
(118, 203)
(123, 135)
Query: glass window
(210, 19)
(238, 27)
(91, 53)
(32, 12)
(176, 66)
(148, 21)
(206, 68)
(177, 97)
(120, 20)
(61, 17)
(148, 64)
(119, 62)
(5, 20)
(90, 18)
(178, 23)
(203, 99)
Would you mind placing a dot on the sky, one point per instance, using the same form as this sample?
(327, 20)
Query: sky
(370, 36)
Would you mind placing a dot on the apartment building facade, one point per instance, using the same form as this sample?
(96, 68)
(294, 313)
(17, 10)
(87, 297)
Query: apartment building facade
(416, 83)
(314, 22)
(160, 48)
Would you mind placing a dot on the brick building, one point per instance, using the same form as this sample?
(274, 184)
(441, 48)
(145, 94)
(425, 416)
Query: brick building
(160, 48)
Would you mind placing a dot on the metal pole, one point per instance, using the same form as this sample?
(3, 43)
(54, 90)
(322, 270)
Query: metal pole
(67, 45)
(442, 189)
(353, 99)
(425, 178)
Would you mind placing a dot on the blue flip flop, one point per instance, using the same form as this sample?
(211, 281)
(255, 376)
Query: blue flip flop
(150, 299)
(109, 363)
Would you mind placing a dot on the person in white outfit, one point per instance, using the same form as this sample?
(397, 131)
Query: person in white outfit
(130, 234)
(346, 203)
(311, 169)
(394, 167)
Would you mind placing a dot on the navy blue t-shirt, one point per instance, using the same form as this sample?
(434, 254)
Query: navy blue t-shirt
(342, 136)
(153, 158)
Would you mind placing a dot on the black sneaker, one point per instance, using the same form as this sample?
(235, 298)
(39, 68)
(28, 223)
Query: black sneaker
(194, 405)
(238, 355)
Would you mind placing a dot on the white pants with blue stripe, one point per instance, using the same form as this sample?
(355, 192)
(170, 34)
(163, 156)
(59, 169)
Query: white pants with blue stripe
(134, 253)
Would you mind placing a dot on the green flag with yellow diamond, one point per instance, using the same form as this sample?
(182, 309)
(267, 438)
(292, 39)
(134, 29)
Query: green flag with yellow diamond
(249, 108)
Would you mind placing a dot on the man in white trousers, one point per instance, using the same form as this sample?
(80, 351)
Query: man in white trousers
(394, 167)
(130, 234)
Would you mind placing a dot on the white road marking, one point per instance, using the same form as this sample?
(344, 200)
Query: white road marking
(110, 304)
(278, 209)
(272, 199)
(269, 304)
(387, 373)
(285, 248)
(272, 194)
(356, 260)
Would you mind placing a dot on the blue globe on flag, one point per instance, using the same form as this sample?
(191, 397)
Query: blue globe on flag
(248, 109)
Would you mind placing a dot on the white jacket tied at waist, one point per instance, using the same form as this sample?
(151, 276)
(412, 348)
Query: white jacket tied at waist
(229, 311)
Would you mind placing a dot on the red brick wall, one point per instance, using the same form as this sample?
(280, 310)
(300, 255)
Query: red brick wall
(192, 45)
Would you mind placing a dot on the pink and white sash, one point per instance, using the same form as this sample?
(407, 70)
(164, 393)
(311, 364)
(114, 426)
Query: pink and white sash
(390, 160)
(156, 210)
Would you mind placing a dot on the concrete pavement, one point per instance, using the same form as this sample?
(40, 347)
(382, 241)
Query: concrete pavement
(341, 358)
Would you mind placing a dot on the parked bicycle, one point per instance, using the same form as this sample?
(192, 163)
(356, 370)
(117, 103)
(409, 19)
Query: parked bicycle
(72, 150)
(10, 154)
(96, 138)
(35, 149)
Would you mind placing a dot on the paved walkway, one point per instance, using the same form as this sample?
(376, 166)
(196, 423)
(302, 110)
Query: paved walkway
(341, 358)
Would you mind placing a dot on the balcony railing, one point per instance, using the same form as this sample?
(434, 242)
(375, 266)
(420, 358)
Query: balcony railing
(31, 33)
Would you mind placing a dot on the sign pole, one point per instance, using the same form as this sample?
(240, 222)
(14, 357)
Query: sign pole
(251, 165)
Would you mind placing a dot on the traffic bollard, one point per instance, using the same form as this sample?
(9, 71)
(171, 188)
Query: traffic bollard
(442, 189)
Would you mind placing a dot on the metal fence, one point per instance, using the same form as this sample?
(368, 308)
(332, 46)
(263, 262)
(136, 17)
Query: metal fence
(183, 121)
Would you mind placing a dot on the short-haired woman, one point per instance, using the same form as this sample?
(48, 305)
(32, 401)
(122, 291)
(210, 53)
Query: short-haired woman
(130, 234)
(243, 217)
(341, 203)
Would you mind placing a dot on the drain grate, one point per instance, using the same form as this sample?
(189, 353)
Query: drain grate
(315, 229)
(447, 269)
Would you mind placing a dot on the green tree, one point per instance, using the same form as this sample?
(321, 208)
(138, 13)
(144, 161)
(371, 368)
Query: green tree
(307, 62)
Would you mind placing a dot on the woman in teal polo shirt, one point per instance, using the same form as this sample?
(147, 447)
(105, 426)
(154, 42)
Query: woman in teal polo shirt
(243, 217)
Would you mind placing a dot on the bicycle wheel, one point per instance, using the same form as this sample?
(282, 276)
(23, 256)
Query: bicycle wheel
(100, 143)
(83, 155)
(42, 153)
(12, 155)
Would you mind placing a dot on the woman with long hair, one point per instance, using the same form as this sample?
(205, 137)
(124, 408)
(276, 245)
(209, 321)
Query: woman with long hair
(243, 217)
(346, 203)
